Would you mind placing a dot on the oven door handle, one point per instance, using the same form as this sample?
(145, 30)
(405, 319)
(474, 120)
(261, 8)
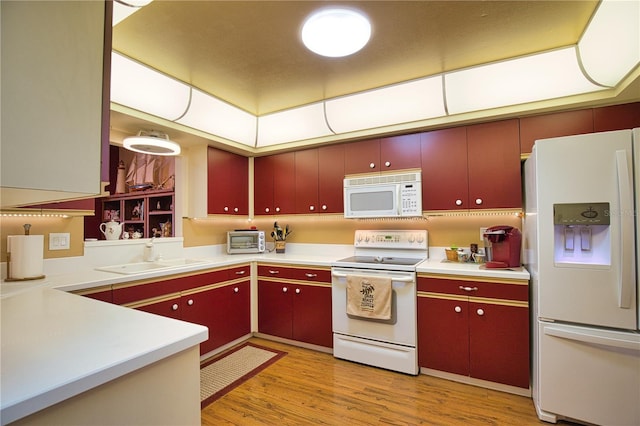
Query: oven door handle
(403, 279)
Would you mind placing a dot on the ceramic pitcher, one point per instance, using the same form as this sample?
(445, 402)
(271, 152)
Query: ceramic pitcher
(111, 230)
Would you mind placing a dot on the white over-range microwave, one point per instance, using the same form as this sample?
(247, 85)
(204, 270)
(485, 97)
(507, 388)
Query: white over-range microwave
(392, 195)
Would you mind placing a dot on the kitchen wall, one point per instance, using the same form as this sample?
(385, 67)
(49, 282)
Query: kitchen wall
(13, 225)
(460, 230)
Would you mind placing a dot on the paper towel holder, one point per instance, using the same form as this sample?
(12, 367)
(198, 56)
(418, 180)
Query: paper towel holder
(9, 278)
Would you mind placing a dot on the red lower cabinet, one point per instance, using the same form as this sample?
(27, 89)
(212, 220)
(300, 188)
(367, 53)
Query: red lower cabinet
(443, 335)
(232, 313)
(477, 329)
(104, 294)
(499, 343)
(295, 303)
(169, 307)
(218, 300)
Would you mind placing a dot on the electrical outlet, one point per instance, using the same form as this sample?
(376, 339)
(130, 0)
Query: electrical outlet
(59, 241)
(482, 231)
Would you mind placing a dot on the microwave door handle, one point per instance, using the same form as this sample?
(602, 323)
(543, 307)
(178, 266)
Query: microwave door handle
(399, 200)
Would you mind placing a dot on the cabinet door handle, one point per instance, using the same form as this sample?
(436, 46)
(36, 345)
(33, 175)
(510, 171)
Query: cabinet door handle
(458, 309)
(324, 207)
(226, 209)
(236, 289)
(235, 209)
(480, 312)
(297, 291)
(266, 209)
(478, 201)
(241, 272)
(190, 302)
(372, 165)
(387, 164)
(284, 289)
(309, 275)
(273, 272)
(312, 208)
(458, 202)
(468, 288)
(277, 209)
(174, 307)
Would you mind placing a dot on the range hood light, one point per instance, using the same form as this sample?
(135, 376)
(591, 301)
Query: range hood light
(336, 32)
(151, 142)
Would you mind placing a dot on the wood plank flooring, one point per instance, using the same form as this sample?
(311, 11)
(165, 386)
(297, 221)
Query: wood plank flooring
(309, 387)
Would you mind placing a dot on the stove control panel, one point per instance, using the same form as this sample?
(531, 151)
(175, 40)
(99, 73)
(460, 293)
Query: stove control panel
(398, 239)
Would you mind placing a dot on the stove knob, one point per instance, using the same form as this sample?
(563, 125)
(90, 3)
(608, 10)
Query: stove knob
(420, 238)
(412, 238)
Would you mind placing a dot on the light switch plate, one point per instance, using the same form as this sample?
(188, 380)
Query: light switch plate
(59, 241)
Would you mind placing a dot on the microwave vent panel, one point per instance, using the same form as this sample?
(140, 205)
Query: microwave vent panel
(382, 179)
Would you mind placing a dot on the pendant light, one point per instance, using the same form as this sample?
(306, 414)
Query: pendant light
(336, 32)
(151, 142)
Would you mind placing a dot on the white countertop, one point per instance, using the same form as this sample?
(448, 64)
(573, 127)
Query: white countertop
(56, 345)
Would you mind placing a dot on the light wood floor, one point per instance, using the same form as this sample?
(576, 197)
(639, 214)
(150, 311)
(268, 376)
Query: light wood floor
(309, 387)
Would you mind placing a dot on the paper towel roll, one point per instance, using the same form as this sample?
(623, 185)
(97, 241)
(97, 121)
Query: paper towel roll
(27, 252)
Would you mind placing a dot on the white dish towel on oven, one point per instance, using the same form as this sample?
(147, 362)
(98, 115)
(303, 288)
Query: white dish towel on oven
(369, 297)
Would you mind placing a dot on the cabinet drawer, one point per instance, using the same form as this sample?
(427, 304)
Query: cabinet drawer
(131, 292)
(504, 289)
(304, 274)
(243, 271)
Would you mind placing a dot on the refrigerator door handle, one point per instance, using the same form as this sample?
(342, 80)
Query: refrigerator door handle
(625, 280)
(564, 333)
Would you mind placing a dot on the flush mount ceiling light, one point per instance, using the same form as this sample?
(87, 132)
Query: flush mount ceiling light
(336, 32)
(151, 142)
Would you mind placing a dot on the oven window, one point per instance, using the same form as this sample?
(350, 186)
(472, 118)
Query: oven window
(244, 242)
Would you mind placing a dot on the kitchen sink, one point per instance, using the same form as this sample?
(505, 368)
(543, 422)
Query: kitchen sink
(138, 267)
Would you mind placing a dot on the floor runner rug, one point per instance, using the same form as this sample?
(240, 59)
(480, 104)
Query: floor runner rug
(223, 373)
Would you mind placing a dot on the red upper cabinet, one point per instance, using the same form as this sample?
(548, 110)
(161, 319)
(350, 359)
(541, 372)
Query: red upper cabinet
(306, 181)
(400, 152)
(616, 117)
(284, 167)
(445, 179)
(494, 165)
(274, 184)
(376, 155)
(263, 185)
(330, 178)
(227, 183)
(362, 156)
(554, 125)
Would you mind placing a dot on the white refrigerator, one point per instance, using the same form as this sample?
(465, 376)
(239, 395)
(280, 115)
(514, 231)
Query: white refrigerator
(581, 249)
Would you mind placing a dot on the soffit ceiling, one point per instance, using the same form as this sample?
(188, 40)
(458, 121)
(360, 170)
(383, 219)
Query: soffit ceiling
(249, 53)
